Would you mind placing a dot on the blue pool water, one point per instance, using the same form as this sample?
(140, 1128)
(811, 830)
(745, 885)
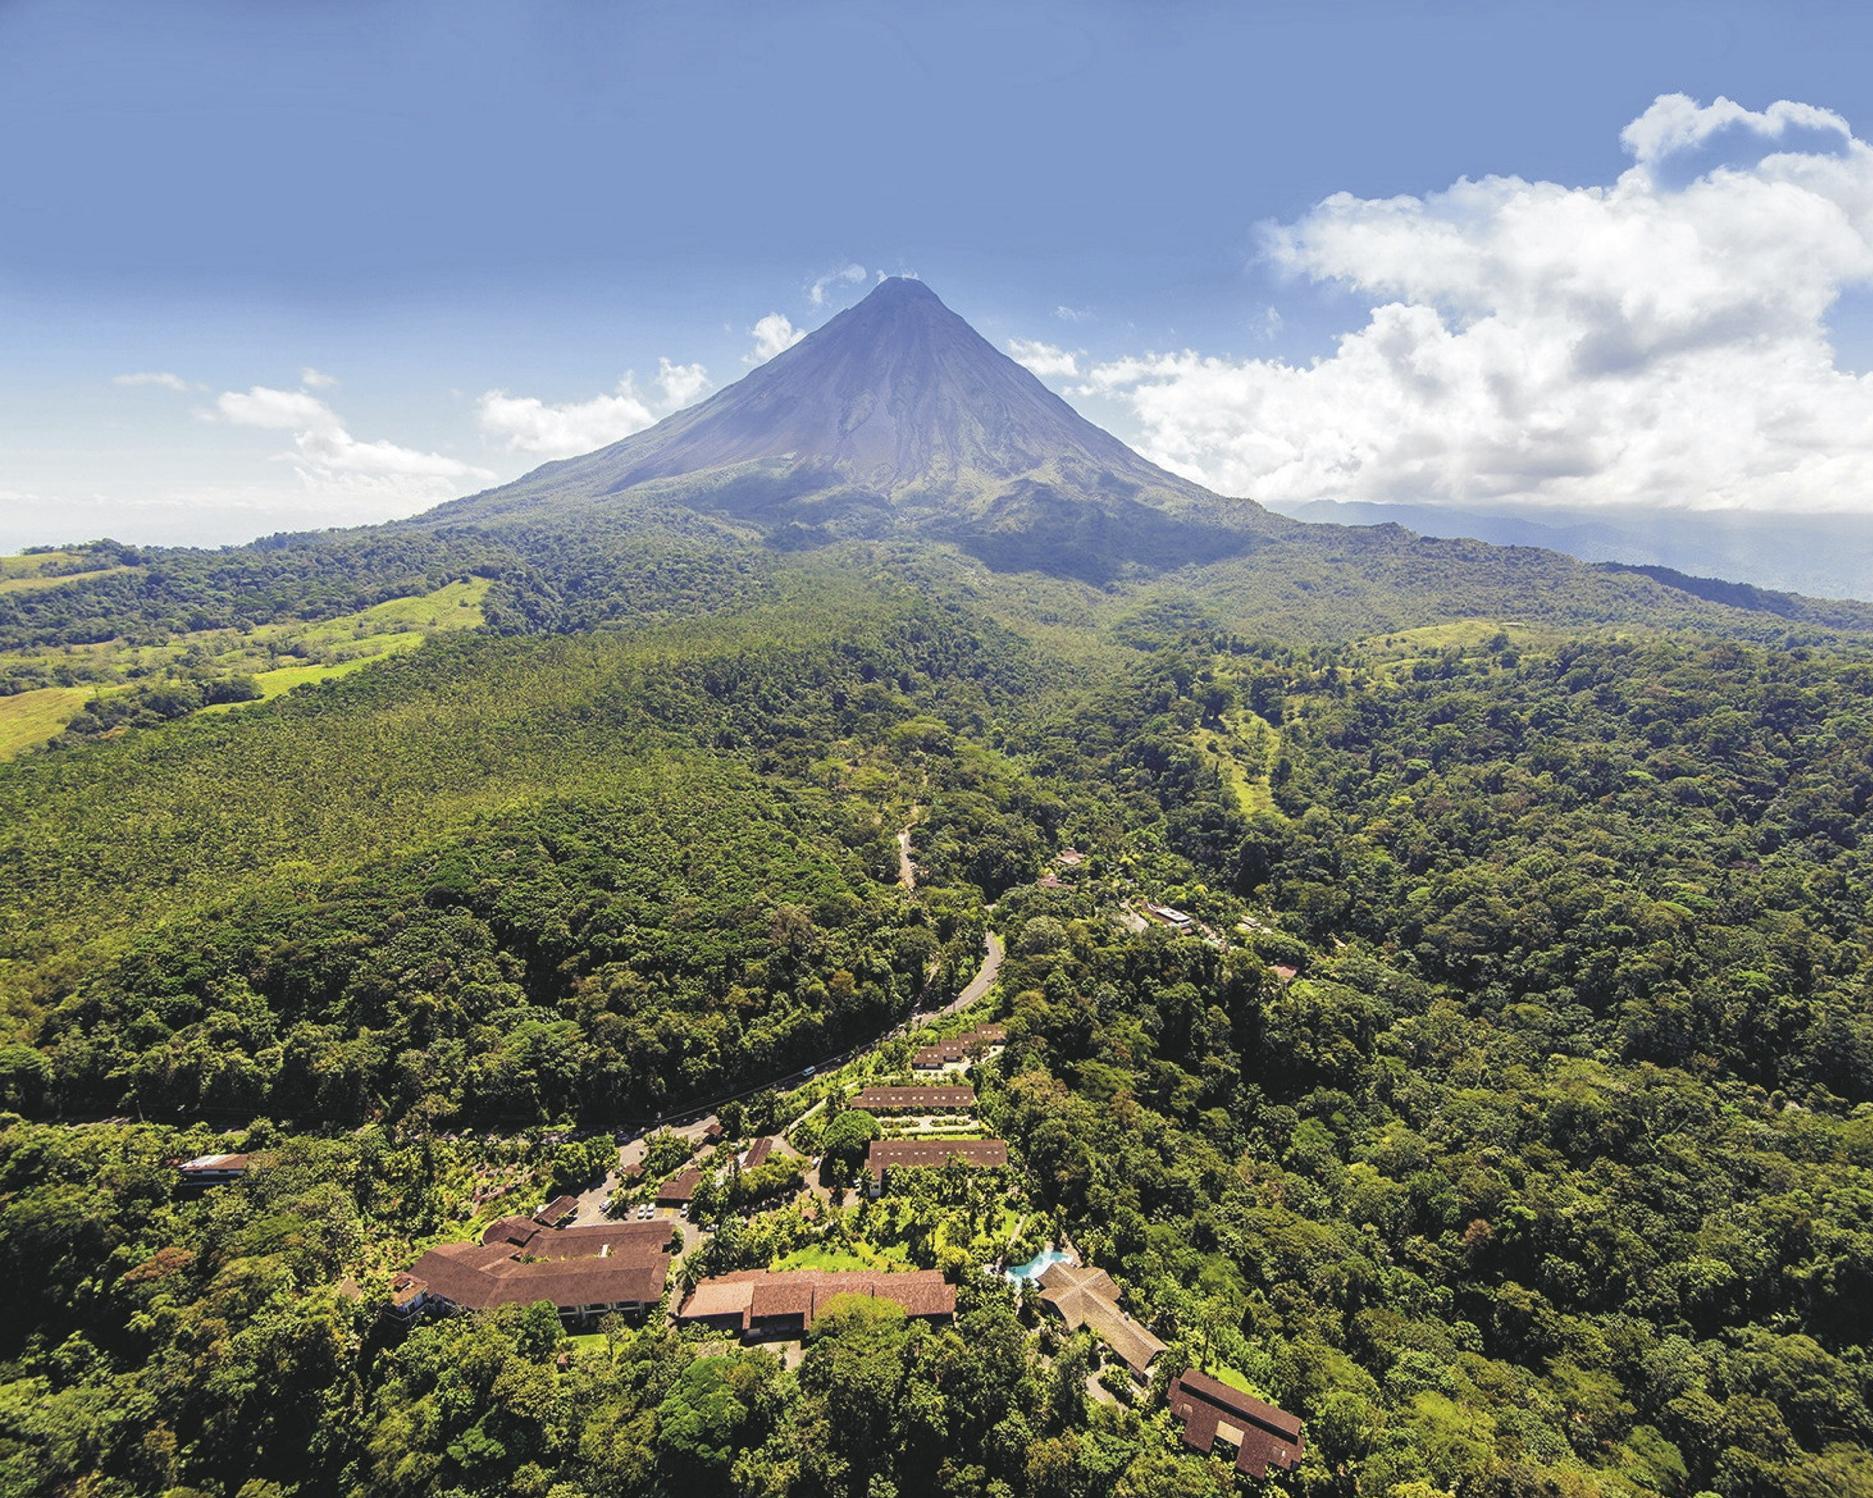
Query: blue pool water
(1037, 1266)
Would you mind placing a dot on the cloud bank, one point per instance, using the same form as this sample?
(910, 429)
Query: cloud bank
(1661, 339)
(527, 424)
(329, 460)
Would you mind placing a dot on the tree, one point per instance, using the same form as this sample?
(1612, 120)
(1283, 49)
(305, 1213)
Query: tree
(846, 1142)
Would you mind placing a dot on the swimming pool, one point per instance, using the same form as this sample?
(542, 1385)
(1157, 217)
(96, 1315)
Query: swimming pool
(1038, 1265)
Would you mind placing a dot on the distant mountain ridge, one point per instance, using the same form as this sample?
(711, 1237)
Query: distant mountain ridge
(1829, 556)
(897, 417)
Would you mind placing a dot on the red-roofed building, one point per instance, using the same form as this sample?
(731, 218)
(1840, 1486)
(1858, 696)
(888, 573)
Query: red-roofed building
(583, 1272)
(756, 1303)
(1261, 1435)
(886, 1154)
(558, 1212)
(914, 1099)
(680, 1189)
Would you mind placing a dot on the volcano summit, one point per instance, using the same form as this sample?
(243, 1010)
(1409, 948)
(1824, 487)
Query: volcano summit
(896, 418)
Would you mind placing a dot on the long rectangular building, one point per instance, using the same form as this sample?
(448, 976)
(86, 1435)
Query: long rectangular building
(886, 1154)
(914, 1099)
(785, 1302)
(957, 1050)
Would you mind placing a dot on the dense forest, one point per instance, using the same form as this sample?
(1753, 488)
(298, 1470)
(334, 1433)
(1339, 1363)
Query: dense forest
(1506, 1111)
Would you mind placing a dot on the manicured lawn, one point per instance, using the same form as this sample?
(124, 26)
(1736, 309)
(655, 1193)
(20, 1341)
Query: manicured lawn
(858, 1257)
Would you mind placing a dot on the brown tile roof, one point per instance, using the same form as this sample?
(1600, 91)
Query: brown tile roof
(558, 1210)
(1085, 1296)
(884, 1154)
(749, 1297)
(519, 1262)
(1263, 1436)
(680, 1187)
(913, 1099)
(957, 1048)
(758, 1153)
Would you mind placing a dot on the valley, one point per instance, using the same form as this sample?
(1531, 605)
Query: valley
(1426, 987)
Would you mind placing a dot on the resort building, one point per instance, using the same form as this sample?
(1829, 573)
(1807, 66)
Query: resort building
(959, 1050)
(757, 1153)
(889, 1154)
(583, 1272)
(680, 1189)
(1261, 1435)
(757, 1303)
(212, 1170)
(1084, 1296)
(914, 1099)
(558, 1212)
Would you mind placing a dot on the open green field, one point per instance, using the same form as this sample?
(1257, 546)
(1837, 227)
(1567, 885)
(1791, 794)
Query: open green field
(27, 582)
(28, 718)
(35, 564)
(278, 656)
(1244, 750)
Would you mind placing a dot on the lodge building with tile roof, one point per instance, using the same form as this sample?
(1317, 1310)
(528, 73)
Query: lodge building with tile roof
(784, 1303)
(935, 1099)
(584, 1272)
(1212, 1412)
(1084, 1296)
(888, 1154)
(959, 1050)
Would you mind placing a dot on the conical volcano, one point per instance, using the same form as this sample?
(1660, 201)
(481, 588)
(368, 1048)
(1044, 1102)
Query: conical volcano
(898, 417)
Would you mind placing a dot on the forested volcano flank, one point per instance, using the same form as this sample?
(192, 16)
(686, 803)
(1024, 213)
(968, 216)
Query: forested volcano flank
(898, 417)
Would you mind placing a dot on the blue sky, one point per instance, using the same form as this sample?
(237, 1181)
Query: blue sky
(471, 222)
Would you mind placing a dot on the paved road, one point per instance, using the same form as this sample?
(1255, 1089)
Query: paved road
(984, 979)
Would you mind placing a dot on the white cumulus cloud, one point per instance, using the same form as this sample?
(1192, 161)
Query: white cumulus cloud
(1044, 359)
(316, 379)
(681, 384)
(847, 275)
(525, 423)
(1659, 339)
(328, 458)
(160, 378)
(773, 334)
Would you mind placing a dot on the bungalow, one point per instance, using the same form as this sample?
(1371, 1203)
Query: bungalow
(1083, 1296)
(757, 1153)
(914, 1099)
(213, 1170)
(558, 1212)
(1170, 915)
(1070, 858)
(1262, 1435)
(680, 1189)
(756, 1303)
(583, 1272)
